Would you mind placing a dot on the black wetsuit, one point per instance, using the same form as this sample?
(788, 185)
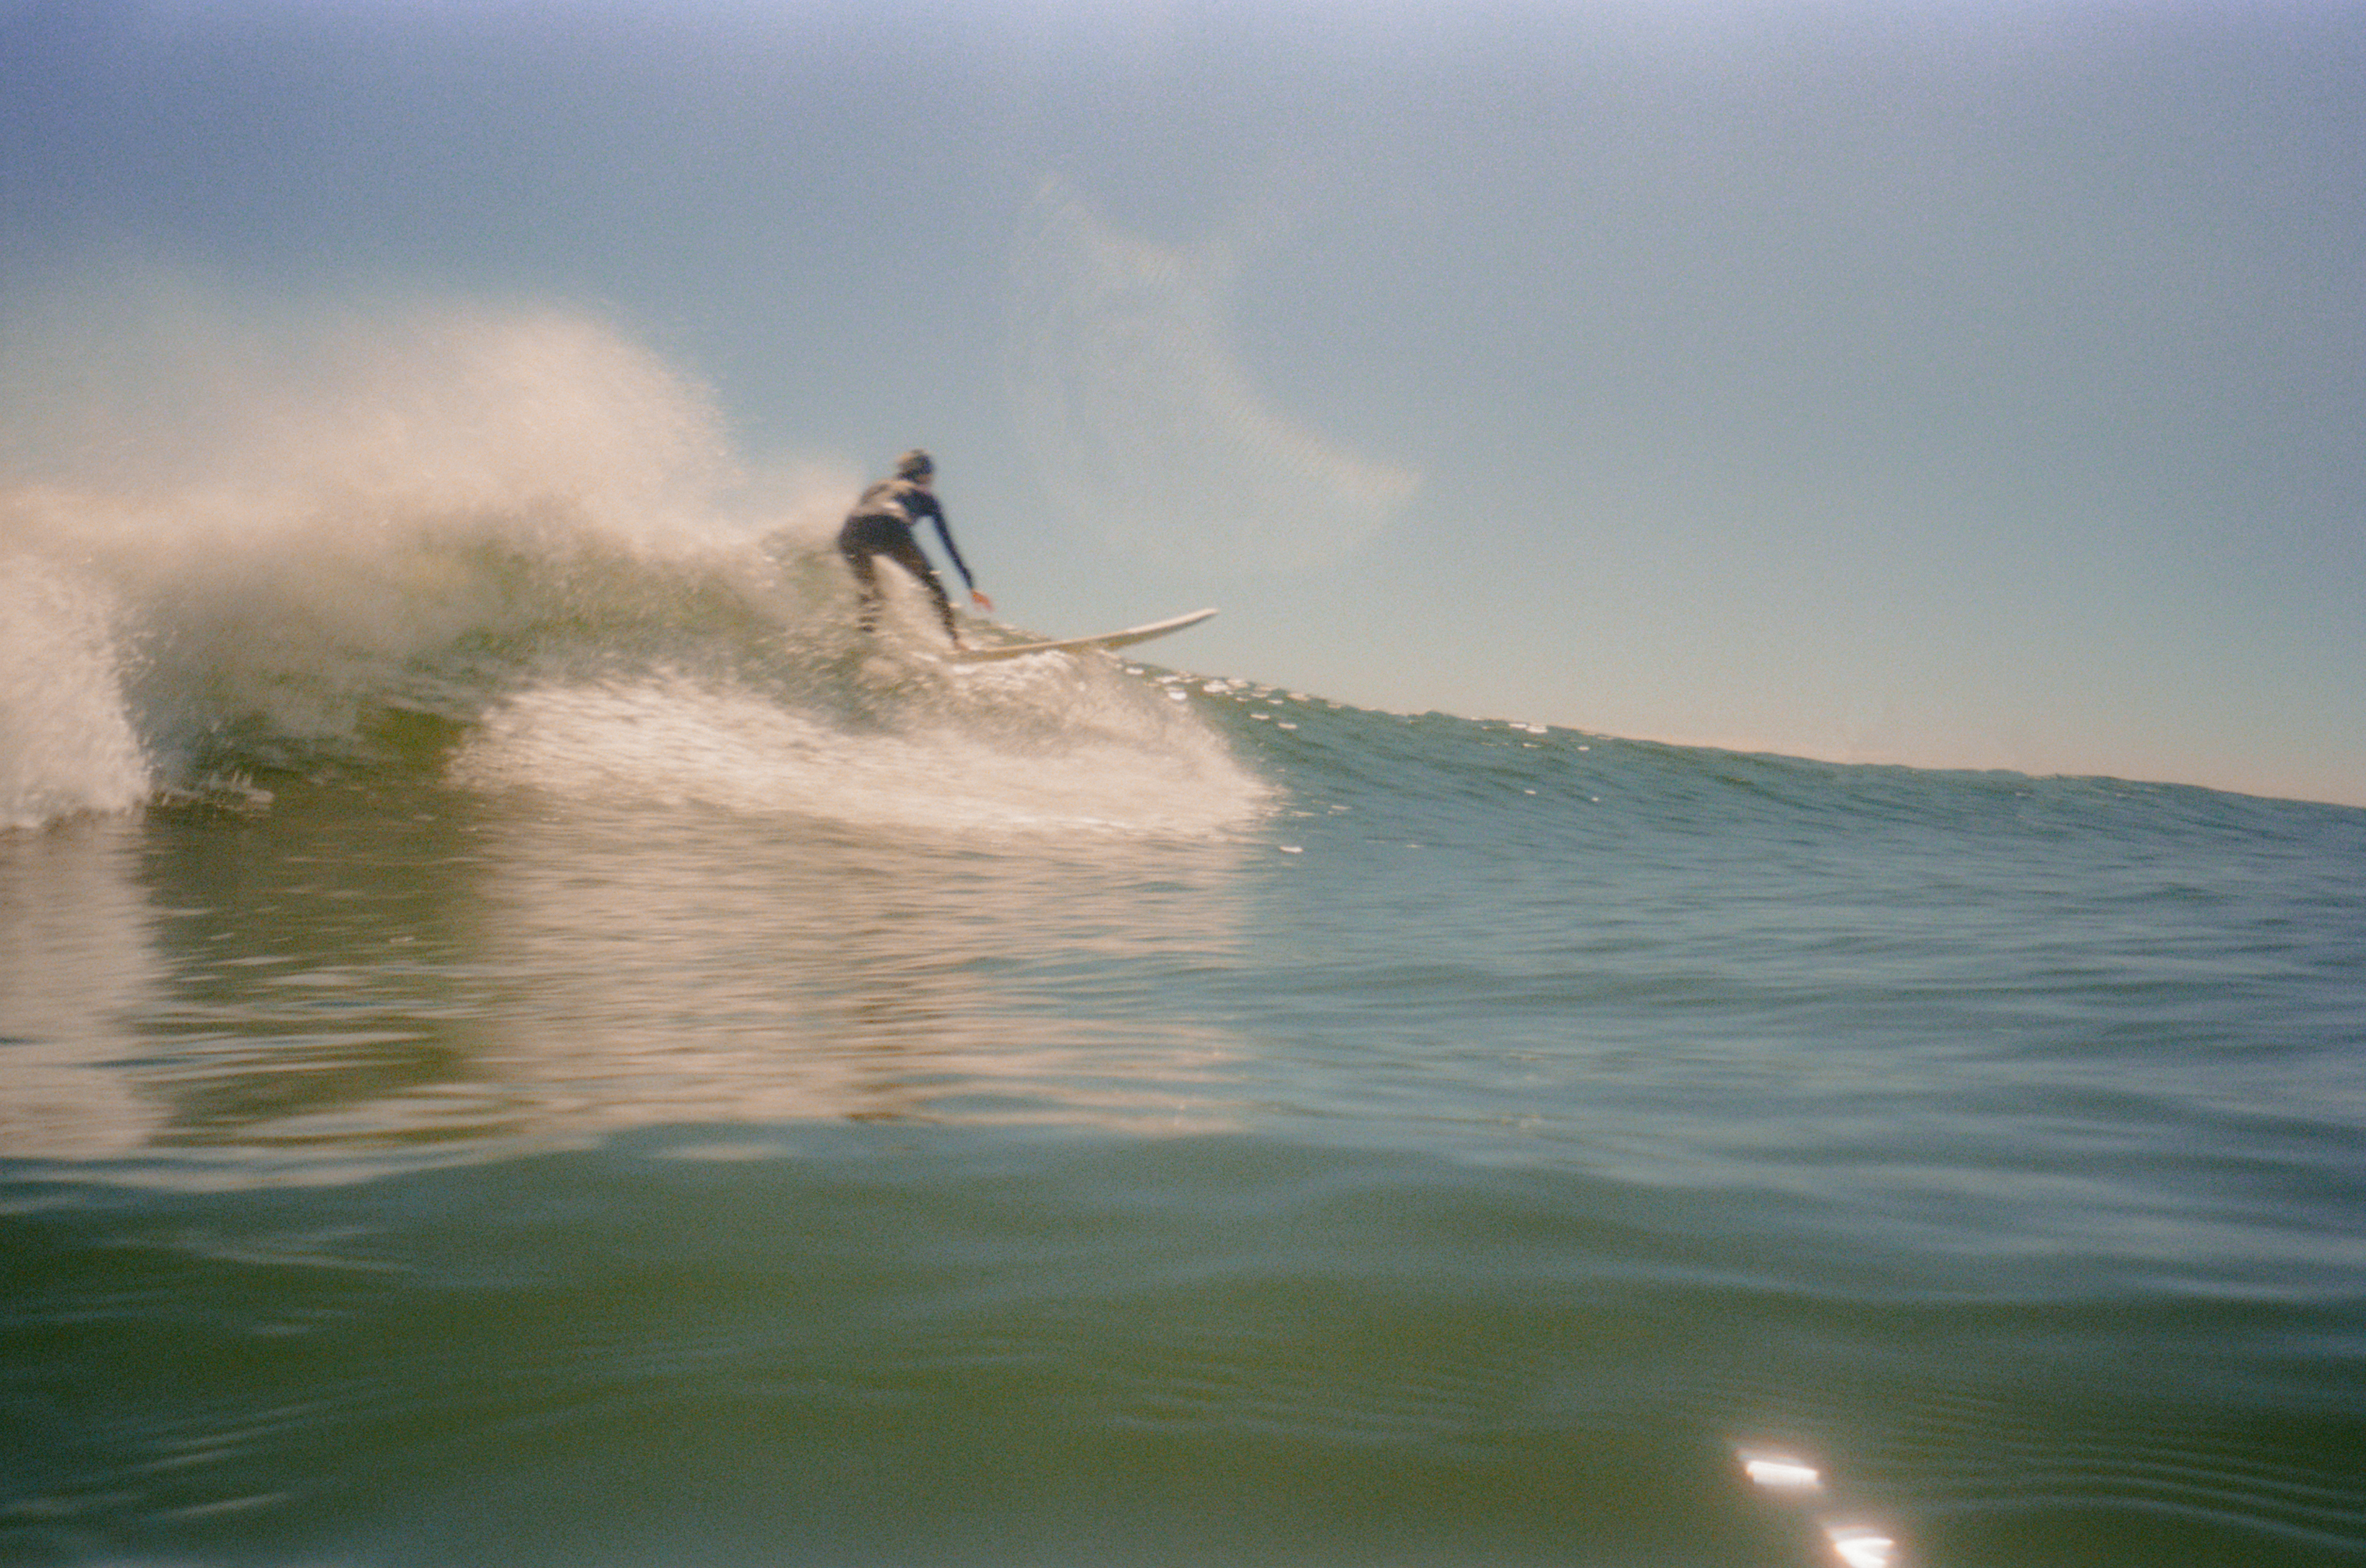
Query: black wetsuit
(881, 524)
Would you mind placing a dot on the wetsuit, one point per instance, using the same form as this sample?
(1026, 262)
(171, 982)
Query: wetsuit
(881, 524)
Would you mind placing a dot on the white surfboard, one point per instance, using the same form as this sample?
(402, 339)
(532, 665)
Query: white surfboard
(1106, 640)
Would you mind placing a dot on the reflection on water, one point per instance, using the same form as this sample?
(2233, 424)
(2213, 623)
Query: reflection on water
(77, 963)
(1862, 1547)
(1781, 1472)
(1786, 1478)
(371, 970)
(693, 969)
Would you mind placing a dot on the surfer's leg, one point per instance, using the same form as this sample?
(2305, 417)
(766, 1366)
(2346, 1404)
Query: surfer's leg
(907, 554)
(866, 583)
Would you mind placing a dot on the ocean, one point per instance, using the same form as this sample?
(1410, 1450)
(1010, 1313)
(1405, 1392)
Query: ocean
(529, 1041)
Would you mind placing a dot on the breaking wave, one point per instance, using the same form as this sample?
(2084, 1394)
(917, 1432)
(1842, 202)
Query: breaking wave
(512, 545)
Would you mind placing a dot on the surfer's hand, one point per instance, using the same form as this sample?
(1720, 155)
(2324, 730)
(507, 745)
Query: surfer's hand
(981, 601)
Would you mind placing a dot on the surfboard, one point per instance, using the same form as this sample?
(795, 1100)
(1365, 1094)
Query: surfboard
(1131, 634)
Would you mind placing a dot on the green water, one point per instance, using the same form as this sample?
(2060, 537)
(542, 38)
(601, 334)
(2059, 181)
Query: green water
(1459, 1144)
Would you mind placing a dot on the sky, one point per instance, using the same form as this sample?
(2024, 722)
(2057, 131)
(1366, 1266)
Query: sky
(1964, 385)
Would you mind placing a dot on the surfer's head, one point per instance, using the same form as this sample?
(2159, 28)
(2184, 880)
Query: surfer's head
(915, 464)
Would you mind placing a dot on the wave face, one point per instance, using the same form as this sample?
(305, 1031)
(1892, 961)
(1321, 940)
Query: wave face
(524, 1041)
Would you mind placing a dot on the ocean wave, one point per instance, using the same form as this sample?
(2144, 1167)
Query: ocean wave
(512, 543)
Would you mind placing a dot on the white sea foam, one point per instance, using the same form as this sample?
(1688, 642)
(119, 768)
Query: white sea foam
(66, 739)
(1095, 762)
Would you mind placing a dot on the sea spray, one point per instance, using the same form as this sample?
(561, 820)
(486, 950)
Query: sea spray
(66, 741)
(515, 543)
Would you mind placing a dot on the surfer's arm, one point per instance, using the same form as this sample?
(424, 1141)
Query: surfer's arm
(945, 535)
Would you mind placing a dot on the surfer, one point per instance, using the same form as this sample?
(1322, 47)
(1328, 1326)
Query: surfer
(881, 524)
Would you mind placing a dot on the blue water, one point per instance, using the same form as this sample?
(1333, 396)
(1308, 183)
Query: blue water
(525, 1047)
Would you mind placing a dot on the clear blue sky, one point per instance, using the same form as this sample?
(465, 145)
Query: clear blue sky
(1954, 385)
